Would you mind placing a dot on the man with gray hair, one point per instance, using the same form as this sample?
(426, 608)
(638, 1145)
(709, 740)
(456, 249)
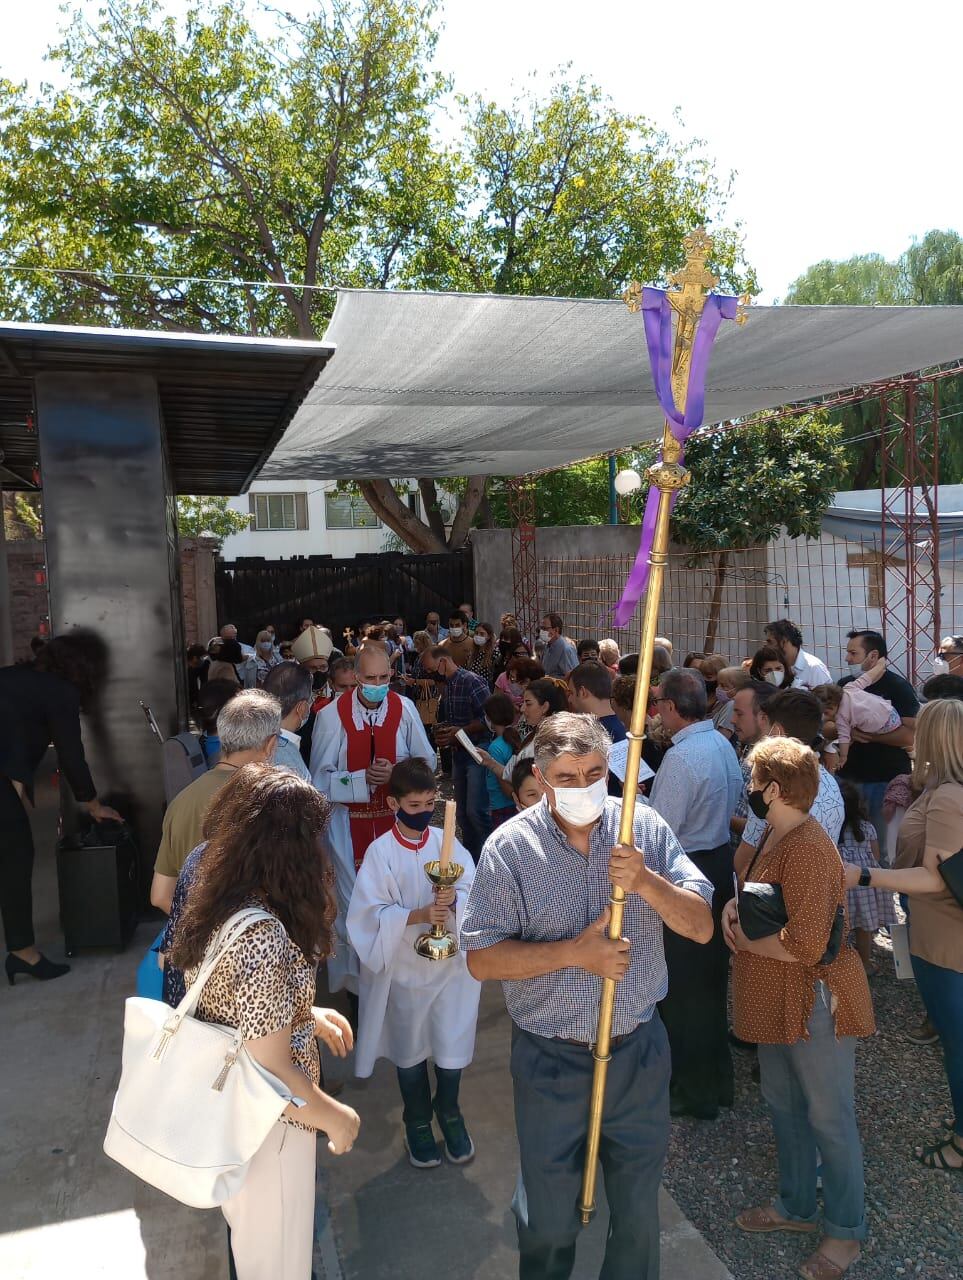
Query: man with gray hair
(696, 791)
(537, 919)
(292, 685)
(248, 727)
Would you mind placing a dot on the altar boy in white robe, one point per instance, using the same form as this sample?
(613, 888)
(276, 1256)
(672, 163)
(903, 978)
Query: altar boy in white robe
(413, 1009)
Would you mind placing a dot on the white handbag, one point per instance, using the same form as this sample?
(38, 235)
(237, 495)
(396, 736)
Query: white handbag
(192, 1107)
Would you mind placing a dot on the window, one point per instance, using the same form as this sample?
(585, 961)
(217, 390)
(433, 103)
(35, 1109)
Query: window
(344, 511)
(279, 510)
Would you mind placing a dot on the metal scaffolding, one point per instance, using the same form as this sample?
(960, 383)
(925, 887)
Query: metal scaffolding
(521, 509)
(906, 560)
(909, 523)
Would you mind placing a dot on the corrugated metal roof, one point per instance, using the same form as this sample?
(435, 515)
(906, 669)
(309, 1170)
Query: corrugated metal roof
(226, 400)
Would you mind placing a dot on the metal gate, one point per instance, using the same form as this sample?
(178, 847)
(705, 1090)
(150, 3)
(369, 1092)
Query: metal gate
(252, 591)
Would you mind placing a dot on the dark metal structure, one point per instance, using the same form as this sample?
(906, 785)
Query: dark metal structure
(110, 425)
(252, 592)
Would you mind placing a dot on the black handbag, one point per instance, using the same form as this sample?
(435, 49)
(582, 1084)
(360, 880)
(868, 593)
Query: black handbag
(762, 912)
(951, 869)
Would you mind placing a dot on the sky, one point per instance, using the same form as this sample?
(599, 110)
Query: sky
(839, 120)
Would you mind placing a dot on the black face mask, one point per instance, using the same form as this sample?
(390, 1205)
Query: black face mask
(711, 686)
(505, 646)
(415, 821)
(319, 679)
(758, 804)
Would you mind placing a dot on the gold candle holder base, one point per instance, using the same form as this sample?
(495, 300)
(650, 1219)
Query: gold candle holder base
(438, 944)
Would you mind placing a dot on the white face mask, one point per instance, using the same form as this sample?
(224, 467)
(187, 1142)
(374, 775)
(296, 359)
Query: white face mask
(941, 667)
(581, 806)
(456, 632)
(543, 636)
(774, 677)
(481, 640)
(855, 669)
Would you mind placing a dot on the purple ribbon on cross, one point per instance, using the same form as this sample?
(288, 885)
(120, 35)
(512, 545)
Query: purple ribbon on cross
(657, 315)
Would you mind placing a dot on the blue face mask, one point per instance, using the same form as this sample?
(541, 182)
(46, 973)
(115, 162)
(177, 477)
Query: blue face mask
(374, 692)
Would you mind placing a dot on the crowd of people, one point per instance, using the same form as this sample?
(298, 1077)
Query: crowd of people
(779, 814)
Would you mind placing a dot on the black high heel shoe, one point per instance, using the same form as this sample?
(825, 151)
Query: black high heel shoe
(43, 970)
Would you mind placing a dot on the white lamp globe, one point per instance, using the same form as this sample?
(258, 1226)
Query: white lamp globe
(627, 482)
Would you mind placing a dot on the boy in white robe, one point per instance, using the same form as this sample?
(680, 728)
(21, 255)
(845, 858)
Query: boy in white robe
(413, 1009)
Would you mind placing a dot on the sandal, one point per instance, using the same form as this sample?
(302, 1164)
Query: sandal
(765, 1218)
(818, 1267)
(933, 1157)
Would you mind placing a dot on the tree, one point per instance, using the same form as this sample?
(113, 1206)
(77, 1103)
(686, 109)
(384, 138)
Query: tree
(928, 273)
(209, 515)
(204, 152)
(578, 494)
(749, 482)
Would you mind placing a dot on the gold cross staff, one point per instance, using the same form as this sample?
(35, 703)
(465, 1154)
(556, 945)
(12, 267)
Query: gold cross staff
(688, 299)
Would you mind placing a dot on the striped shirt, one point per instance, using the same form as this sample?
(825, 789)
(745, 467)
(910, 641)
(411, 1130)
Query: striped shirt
(532, 885)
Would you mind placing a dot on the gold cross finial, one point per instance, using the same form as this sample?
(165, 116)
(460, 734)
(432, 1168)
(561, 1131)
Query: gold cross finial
(695, 279)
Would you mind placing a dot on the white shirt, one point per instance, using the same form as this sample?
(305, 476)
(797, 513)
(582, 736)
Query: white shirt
(411, 1008)
(808, 671)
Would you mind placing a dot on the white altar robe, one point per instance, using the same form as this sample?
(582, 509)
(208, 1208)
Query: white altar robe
(329, 758)
(411, 1008)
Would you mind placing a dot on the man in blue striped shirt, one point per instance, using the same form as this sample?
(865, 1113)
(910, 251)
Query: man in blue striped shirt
(537, 920)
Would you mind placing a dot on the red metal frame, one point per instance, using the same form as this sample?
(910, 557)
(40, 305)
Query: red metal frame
(521, 508)
(909, 520)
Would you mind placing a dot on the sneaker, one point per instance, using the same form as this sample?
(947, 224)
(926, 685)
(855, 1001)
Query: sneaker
(459, 1147)
(421, 1146)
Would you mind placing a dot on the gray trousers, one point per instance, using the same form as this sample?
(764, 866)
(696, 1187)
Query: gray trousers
(552, 1082)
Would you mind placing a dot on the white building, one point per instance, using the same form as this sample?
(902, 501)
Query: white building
(310, 518)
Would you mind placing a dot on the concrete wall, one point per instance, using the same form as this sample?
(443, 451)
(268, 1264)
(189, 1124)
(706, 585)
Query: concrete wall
(28, 597)
(581, 574)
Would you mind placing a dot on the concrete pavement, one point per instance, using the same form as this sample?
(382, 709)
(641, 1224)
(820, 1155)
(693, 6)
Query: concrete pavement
(66, 1209)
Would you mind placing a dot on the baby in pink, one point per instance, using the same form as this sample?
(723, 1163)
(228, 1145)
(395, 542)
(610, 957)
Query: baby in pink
(851, 707)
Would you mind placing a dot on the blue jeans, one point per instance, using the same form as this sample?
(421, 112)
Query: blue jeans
(471, 800)
(551, 1082)
(873, 794)
(808, 1087)
(942, 994)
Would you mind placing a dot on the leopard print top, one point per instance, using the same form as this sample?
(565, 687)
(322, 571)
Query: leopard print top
(263, 984)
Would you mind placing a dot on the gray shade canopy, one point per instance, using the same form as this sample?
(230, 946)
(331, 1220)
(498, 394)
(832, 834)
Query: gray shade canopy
(431, 384)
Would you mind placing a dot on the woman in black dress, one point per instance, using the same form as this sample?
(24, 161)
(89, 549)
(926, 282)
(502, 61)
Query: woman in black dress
(39, 705)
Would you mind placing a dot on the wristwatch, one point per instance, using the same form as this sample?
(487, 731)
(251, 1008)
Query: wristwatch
(865, 878)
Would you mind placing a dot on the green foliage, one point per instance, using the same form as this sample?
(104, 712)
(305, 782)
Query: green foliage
(750, 481)
(208, 515)
(200, 148)
(22, 516)
(860, 281)
(929, 273)
(575, 495)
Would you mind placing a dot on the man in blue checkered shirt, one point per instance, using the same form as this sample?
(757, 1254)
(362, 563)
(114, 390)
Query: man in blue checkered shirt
(537, 918)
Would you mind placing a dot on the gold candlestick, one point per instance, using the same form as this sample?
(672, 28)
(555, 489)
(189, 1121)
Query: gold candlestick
(688, 301)
(438, 943)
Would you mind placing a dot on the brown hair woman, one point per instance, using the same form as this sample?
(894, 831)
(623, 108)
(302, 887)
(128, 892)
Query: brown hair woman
(266, 850)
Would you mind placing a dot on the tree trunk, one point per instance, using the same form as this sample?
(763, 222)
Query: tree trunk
(429, 500)
(715, 605)
(867, 464)
(381, 497)
(467, 510)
